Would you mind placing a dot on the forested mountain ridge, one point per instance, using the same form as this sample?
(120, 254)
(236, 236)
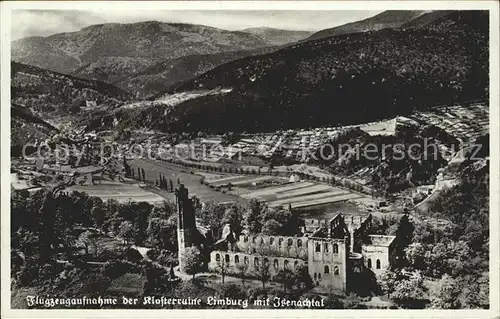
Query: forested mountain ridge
(154, 79)
(111, 51)
(27, 128)
(45, 92)
(274, 36)
(373, 74)
(385, 20)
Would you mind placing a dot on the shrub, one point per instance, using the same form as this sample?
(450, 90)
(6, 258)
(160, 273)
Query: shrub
(233, 291)
(153, 254)
(115, 269)
(133, 255)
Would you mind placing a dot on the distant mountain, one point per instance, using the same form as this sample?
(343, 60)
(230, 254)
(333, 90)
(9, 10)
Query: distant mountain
(158, 77)
(46, 93)
(351, 78)
(109, 52)
(384, 20)
(274, 36)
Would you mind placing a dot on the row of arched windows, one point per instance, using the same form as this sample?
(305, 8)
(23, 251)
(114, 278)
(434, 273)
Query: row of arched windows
(369, 263)
(326, 248)
(271, 241)
(227, 259)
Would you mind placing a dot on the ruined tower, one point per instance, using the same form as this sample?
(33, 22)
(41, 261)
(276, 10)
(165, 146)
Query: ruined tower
(186, 224)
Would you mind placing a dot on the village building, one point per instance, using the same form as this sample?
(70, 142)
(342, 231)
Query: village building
(18, 183)
(83, 175)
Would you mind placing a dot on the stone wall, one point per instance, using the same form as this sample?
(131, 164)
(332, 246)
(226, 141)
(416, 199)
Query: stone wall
(237, 262)
(376, 258)
(327, 262)
(289, 247)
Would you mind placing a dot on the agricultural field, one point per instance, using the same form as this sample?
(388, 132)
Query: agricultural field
(122, 192)
(189, 177)
(380, 128)
(464, 123)
(246, 181)
(283, 193)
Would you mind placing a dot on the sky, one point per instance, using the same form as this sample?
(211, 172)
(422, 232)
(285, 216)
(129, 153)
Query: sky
(47, 22)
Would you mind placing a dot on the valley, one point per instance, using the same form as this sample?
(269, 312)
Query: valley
(348, 164)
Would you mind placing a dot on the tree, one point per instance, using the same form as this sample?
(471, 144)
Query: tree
(28, 243)
(91, 240)
(272, 227)
(415, 254)
(233, 217)
(143, 174)
(352, 301)
(389, 280)
(160, 181)
(171, 185)
(222, 268)
(445, 294)
(98, 213)
(262, 272)
(138, 173)
(212, 215)
(232, 291)
(191, 260)
(287, 218)
(242, 269)
(253, 217)
(286, 277)
(302, 277)
(404, 235)
(409, 293)
(126, 231)
(162, 233)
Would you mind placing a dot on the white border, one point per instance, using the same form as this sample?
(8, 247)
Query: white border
(492, 6)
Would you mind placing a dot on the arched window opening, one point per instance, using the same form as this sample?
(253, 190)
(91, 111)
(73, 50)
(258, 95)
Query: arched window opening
(276, 264)
(256, 262)
(236, 259)
(280, 242)
(246, 261)
(327, 269)
(290, 242)
(286, 264)
(318, 248)
(335, 248)
(299, 243)
(326, 247)
(217, 257)
(295, 265)
(369, 263)
(271, 240)
(378, 263)
(336, 270)
(227, 258)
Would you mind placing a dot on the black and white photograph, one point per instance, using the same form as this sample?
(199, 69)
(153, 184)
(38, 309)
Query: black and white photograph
(261, 157)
